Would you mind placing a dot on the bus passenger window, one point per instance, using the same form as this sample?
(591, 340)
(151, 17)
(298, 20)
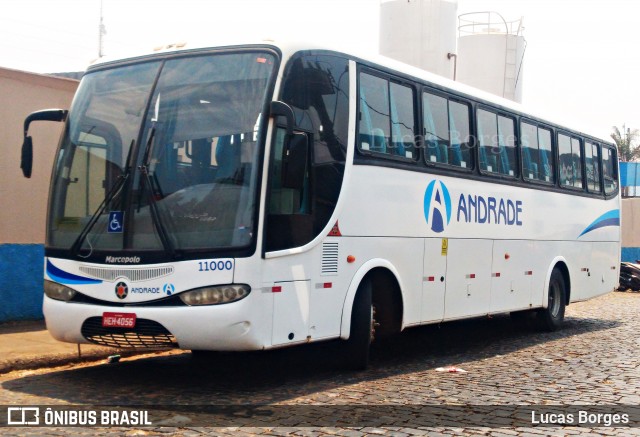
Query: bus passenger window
(496, 134)
(436, 128)
(459, 126)
(488, 141)
(374, 114)
(507, 163)
(529, 147)
(537, 162)
(592, 161)
(570, 157)
(387, 122)
(546, 172)
(566, 167)
(446, 131)
(402, 121)
(576, 154)
(609, 171)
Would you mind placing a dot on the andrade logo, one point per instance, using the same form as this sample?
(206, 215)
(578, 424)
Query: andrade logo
(437, 206)
(168, 289)
(122, 290)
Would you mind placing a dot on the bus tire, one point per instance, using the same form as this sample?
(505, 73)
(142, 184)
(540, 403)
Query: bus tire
(551, 318)
(355, 351)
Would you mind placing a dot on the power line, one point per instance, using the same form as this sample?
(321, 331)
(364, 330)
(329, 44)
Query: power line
(102, 31)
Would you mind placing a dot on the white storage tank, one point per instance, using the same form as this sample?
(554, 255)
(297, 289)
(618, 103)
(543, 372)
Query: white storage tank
(490, 54)
(420, 32)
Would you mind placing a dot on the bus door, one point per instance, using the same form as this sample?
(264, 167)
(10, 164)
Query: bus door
(308, 301)
(289, 225)
(304, 300)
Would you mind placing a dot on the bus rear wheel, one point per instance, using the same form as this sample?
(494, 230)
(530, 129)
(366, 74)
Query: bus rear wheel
(552, 317)
(355, 350)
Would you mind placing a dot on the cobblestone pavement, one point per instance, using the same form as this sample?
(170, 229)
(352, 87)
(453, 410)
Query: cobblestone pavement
(592, 362)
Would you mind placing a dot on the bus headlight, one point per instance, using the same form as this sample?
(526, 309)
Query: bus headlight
(57, 291)
(215, 295)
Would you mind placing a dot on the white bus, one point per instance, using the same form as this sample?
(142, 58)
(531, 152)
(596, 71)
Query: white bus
(260, 196)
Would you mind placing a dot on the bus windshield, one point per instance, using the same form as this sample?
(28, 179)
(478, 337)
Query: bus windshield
(162, 156)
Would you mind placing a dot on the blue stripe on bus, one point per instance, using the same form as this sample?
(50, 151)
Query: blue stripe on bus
(63, 277)
(611, 218)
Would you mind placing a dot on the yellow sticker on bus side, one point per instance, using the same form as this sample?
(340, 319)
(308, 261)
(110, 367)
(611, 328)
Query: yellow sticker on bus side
(445, 246)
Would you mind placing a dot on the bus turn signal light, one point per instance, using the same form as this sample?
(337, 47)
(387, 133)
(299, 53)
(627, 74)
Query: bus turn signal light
(351, 259)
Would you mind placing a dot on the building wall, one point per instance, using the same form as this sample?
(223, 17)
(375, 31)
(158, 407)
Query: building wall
(24, 201)
(631, 230)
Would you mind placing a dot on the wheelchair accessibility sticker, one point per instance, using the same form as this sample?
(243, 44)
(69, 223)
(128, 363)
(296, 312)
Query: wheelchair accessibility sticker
(116, 222)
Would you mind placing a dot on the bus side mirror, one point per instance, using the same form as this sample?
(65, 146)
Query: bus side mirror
(281, 109)
(295, 161)
(296, 148)
(26, 157)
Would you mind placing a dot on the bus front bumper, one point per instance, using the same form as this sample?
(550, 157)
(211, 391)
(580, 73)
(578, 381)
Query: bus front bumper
(222, 328)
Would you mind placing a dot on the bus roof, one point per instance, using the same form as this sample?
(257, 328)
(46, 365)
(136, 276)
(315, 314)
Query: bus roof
(290, 47)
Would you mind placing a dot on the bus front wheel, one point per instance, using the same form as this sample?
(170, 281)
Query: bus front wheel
(355, 351)
(551, 317)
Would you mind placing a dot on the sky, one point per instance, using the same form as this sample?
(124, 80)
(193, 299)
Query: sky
(581, 63)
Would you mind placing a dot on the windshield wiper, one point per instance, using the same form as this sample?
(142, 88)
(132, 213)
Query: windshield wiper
(163, 234)
(75, 247)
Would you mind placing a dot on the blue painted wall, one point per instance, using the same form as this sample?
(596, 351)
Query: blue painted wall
(630, 178)
(21, 270)
(630, 254)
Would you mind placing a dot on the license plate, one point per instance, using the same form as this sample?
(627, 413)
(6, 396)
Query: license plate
(118, 320)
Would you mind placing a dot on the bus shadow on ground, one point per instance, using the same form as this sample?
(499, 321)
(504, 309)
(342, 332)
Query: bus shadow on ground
(285, 374)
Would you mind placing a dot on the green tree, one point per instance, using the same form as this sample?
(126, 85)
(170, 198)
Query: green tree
(625, 140)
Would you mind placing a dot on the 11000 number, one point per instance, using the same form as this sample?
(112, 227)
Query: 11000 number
(212, 266)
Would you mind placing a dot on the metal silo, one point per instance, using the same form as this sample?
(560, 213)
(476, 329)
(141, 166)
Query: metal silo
(490, 53)
(421, 33)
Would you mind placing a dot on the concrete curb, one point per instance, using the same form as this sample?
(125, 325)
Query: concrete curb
(60, 359)
(96, 354)
(26, 345)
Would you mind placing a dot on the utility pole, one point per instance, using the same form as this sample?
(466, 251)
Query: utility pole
(102, 31)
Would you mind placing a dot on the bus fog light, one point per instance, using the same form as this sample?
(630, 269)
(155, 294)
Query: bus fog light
(215, 295)
(57, 291)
